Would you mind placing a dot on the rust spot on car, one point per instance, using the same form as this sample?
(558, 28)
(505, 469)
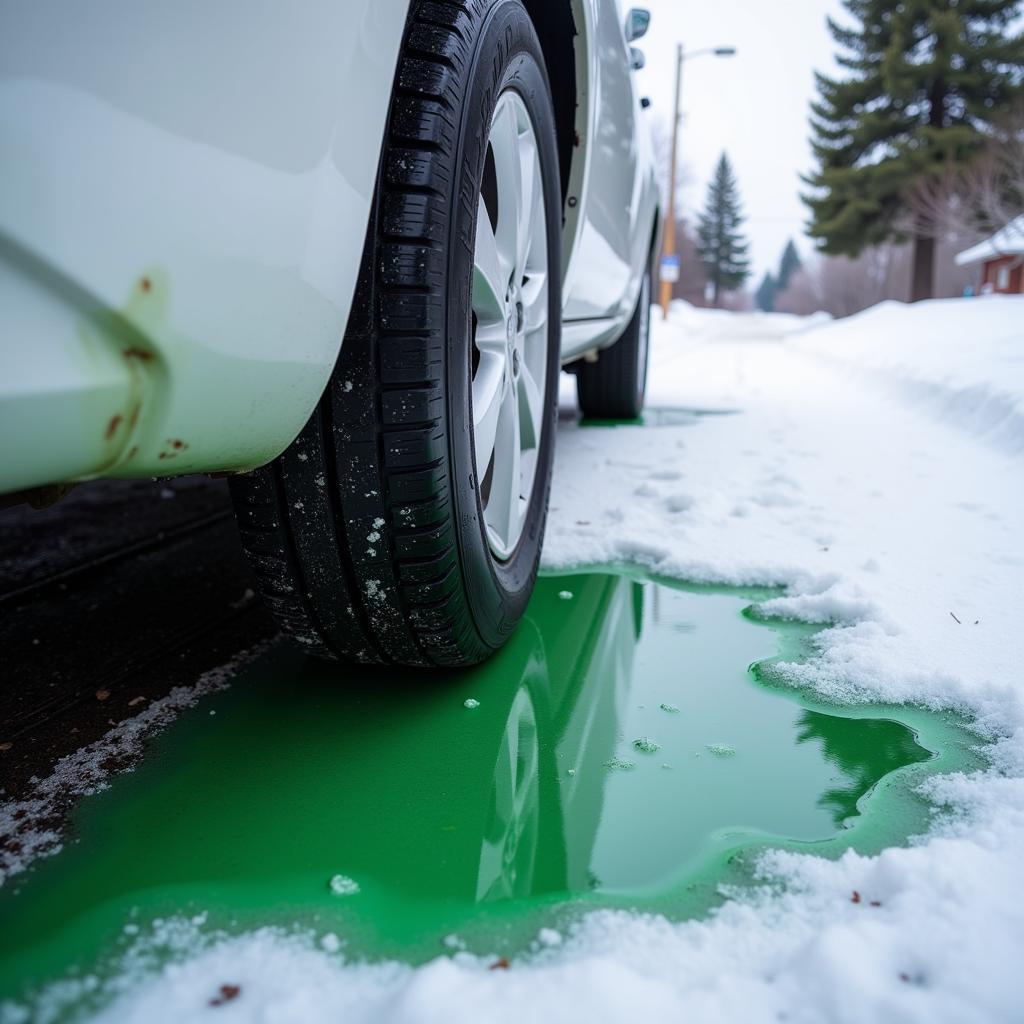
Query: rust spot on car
(145, 284)
(172, 448)
(134, 418)
(143, 355)
(115, 422)
(131, 454)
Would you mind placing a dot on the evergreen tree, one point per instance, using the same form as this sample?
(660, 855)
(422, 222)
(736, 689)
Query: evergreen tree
(764, 297)
(927, 77)
(788, 266)
(722, 248)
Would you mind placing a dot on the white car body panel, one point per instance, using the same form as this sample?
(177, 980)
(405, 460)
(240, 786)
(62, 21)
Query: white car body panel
(600, 275)
(619, 197)
(225, 236)
(185, 195)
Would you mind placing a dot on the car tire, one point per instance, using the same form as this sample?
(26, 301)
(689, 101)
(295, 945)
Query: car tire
(373, 535)
(614, 386)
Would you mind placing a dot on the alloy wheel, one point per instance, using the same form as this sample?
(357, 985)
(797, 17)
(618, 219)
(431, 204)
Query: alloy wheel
(510, 323)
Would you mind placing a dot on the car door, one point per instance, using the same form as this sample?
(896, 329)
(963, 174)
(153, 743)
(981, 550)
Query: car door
(600, 279)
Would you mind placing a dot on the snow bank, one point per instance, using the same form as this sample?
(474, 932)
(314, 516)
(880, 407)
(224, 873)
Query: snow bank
(719, 324)
(962, 359)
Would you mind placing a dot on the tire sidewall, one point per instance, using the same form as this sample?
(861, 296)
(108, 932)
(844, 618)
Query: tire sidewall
(506, 56)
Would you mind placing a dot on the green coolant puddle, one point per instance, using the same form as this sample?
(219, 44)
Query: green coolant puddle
(652, 416)
(621, 751)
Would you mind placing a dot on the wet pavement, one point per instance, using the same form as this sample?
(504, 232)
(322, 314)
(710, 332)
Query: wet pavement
(123, 591)
(627, 749)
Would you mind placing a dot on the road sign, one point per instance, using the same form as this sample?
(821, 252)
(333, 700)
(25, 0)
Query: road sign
(669, 269)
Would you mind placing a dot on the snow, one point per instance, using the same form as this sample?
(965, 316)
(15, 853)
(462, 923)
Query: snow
(873, 467)
(880, 514)
(975, 383)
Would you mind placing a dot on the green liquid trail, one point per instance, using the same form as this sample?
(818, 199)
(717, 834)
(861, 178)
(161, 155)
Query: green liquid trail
(395, 808)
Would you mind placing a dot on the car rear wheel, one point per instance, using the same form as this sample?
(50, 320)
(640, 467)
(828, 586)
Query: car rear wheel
(614, 387)
(404, 524)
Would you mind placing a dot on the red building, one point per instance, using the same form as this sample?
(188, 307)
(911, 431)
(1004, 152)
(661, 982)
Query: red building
(1000, 260)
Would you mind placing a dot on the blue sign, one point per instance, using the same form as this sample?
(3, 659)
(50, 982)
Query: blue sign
(669, 269)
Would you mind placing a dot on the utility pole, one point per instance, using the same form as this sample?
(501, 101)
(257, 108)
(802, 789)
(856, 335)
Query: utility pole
(669, 269)
(669, 247)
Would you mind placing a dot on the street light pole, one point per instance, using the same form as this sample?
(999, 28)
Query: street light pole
(669, 248)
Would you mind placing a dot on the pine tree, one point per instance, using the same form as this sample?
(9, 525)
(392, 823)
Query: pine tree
(764, 297)
(722, 248)
(788, 266)
(927, 77)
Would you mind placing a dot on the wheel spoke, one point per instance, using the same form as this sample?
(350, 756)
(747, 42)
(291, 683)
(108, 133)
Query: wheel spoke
(504, 784)
(515, 498)
(535, 327)
(503, 502)
(489, 276)
(508, 168)
(530, 199)
(488, 392)
(492, 338)
(535, 301)
(526, 779)
(530, 409)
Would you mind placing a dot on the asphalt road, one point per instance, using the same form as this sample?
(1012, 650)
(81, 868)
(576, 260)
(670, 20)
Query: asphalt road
(109, 599)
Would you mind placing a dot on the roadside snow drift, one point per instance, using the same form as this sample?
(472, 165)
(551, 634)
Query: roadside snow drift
(963, 365)
(874, 467)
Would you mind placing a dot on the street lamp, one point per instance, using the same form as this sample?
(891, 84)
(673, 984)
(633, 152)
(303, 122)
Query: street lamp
(669, 269)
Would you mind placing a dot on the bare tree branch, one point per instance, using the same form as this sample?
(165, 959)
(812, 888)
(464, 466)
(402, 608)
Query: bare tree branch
(982, 197)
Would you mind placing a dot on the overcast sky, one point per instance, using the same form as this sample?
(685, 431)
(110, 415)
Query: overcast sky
(753, 105)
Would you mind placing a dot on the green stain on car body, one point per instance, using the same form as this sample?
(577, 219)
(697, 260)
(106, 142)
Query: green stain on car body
(489, 824)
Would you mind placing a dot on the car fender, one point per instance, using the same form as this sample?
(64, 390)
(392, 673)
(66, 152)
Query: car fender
(186, 193)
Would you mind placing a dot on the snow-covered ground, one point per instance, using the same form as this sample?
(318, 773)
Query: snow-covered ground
(873, 466)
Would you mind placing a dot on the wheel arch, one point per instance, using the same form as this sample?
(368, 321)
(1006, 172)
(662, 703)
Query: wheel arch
(656, 235)
(564, 29)
(556, 27)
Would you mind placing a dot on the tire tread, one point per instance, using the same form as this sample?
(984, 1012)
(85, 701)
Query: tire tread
(611, 388)
(377, 440)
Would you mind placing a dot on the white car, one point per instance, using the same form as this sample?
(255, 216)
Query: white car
(339, 251)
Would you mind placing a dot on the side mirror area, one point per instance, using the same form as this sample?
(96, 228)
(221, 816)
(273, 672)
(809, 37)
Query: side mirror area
(638, 21)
